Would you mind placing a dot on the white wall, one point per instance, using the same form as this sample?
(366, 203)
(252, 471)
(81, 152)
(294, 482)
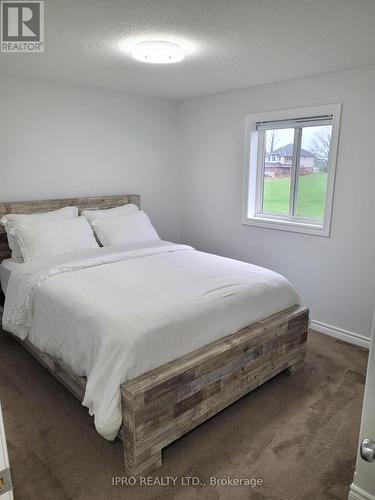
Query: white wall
(336, 275)
(60, 140)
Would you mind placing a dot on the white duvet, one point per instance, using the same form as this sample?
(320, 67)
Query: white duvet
(117, 313)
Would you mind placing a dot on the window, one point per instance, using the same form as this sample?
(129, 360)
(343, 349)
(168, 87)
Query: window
(290, 169)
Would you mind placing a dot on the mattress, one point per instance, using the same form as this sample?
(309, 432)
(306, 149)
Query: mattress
(116, 314)
(6, 268)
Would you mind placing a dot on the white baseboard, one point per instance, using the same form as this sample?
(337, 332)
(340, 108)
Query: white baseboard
(340, 333)
(359, 494)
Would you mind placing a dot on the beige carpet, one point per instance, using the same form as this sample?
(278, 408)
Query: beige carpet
(298, 435)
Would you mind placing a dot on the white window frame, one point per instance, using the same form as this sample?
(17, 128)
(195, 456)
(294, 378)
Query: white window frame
(253, 172)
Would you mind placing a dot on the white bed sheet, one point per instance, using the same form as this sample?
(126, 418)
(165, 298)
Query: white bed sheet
(6, 268)
(118, 313)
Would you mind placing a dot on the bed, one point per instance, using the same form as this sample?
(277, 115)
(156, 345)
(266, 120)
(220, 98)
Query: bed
(200, 343)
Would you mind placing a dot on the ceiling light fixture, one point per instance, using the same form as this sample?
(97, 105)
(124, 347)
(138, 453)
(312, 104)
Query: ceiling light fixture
(158, 52)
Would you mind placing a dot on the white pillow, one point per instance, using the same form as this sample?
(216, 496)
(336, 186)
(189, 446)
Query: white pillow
(125, 229)
(54, 237)
(91, 215)
(11, 221)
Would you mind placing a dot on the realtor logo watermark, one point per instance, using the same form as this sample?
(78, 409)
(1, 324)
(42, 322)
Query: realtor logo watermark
(22, 26)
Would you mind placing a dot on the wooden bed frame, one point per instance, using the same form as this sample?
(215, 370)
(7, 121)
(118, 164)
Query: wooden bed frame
(163, 404)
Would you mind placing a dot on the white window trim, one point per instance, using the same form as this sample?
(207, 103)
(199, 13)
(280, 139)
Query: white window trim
(251, 172)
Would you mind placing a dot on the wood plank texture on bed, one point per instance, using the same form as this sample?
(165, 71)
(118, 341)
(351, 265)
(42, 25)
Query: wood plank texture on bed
(39, 206)
(165, 403)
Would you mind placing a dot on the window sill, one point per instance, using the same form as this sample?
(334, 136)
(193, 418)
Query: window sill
(287, 225)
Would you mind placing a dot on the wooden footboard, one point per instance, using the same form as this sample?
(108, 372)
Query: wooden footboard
(163, 404)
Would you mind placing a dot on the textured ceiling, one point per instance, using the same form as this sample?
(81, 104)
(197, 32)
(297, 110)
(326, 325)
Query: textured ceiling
(238, 43)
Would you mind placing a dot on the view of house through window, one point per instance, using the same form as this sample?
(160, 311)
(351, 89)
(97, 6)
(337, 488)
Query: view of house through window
(277, 170)
(295, 163)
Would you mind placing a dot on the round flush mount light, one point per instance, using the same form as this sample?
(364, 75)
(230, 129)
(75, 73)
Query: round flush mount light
(158, 52)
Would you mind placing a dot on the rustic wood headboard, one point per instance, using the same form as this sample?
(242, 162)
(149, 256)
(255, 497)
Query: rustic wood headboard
(33, 207)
